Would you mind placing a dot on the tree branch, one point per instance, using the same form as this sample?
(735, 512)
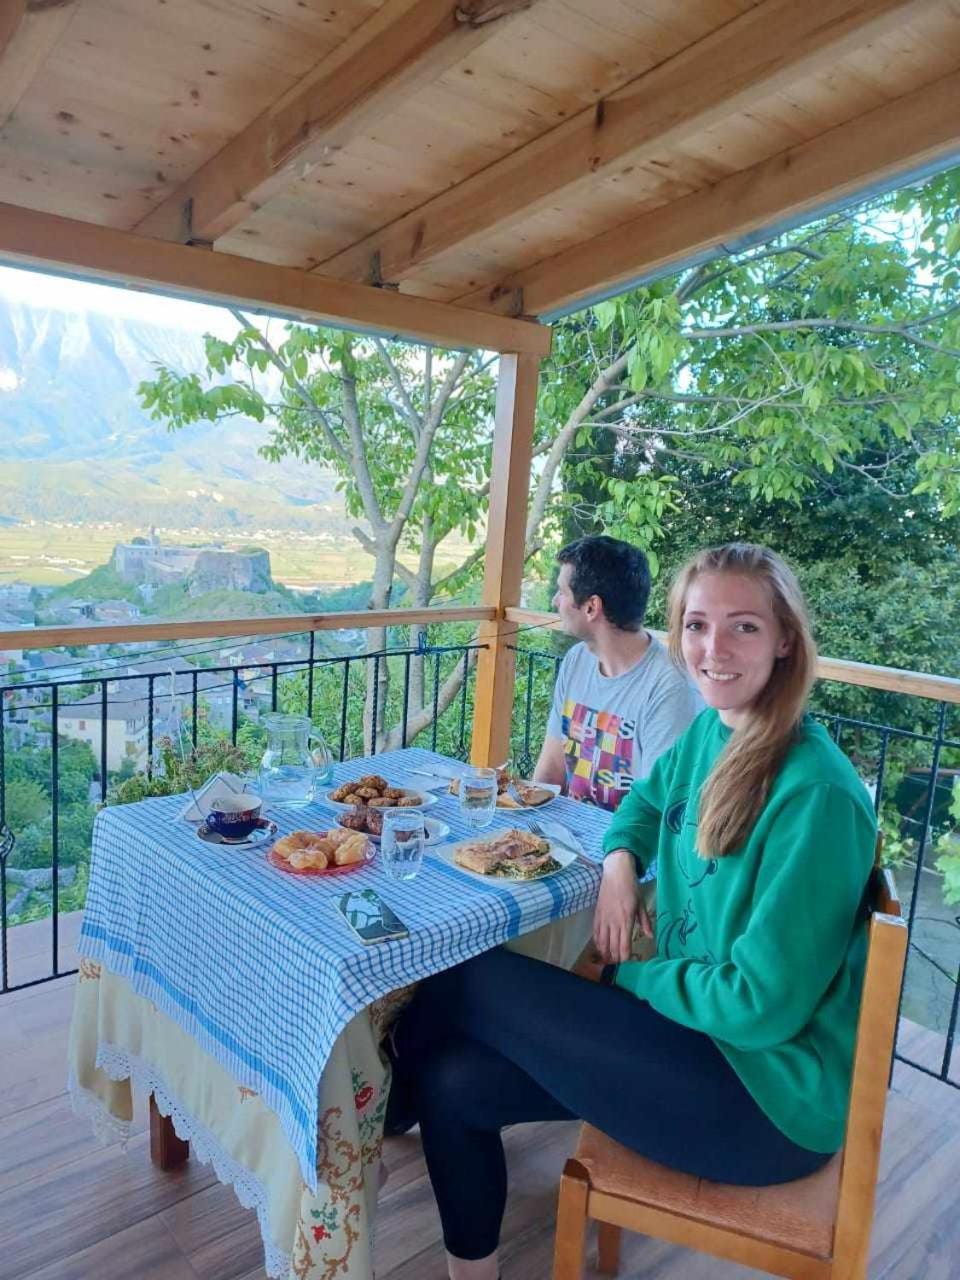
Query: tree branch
(361, 468)
(600, 386)
(848, 326)
(423, 718)
(303, 395)
(431, 422)
(407, 405)
(473, 559)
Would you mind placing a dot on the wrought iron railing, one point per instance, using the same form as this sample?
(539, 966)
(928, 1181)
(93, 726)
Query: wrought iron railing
(362, 703)
(908, 770)
(901, 732)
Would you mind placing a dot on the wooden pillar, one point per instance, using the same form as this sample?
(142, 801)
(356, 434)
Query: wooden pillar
(503, 572)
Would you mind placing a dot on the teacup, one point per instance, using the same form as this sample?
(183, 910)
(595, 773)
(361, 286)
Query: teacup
(235, 816)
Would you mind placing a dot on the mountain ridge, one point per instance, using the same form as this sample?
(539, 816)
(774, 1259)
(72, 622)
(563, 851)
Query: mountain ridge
(75, 440)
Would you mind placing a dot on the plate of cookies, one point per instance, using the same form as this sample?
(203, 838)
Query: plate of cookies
(370, 822)
(321, 853)
(374, 792)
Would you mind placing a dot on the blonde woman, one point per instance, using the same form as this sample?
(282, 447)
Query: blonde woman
(728, 1054)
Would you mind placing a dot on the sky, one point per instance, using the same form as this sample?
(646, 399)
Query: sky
(36, 288)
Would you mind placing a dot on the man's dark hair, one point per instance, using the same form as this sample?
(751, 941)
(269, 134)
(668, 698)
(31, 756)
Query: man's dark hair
(613, 570)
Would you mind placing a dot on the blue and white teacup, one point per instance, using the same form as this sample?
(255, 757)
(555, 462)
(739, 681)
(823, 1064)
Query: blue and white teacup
(235, 816)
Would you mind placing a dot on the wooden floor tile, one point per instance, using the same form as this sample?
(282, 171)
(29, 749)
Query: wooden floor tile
(220, 1239)
(87, 1201)
(144, 1251)
(108, 1214)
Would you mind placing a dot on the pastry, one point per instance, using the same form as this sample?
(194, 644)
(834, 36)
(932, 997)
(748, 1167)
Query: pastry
(353, 849)
(516, 854)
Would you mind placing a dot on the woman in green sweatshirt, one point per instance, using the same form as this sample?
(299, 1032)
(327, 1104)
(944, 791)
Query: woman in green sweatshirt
(728, 1054)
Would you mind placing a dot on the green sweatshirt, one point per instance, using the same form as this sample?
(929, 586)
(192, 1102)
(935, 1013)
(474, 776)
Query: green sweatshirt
(762, 950)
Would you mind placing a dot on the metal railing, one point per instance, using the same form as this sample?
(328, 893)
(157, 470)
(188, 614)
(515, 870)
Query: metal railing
(906, 716)
(909, 801)
(361, 702)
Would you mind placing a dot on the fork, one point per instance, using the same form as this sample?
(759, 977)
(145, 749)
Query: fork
(538, 830)
(514, 794)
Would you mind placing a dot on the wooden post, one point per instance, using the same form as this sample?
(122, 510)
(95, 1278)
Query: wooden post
(503, 573)
(167, 1151)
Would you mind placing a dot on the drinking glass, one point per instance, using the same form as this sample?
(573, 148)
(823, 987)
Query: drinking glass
(478, 797)
(401, 843)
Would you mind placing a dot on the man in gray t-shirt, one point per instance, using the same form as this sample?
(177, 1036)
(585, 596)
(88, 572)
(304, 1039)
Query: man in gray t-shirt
(619, 700)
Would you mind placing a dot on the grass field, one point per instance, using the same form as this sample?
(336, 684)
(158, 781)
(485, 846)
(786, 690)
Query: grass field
(54, 554)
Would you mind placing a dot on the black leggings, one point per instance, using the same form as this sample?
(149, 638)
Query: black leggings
(504, 1039)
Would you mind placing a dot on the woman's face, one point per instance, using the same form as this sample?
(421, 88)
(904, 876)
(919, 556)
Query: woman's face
(731, 639)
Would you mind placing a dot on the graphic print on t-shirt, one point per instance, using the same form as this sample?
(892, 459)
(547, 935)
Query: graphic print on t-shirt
(598, 748)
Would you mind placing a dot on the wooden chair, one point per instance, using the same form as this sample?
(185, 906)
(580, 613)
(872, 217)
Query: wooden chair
(817, 1228)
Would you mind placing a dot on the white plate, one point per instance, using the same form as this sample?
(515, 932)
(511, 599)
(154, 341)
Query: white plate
(448, 853)
(531, 808)
(435, 829)
(427, 802)
(443, 782)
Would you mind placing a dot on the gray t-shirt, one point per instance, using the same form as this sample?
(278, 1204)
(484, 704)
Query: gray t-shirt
(614, 727)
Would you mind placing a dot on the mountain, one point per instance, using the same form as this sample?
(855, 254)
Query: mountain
(75, 444)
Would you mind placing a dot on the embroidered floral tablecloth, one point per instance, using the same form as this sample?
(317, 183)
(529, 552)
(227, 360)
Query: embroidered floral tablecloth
(120, 1040)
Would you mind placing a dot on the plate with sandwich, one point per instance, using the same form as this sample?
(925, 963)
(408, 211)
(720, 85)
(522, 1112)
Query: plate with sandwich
(513, 855)
(514, 792)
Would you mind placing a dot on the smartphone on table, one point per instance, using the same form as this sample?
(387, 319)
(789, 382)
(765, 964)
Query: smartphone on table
(370, 918)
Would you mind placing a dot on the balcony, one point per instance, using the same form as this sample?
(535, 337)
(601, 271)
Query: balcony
(108, 1206)
(188, 1224)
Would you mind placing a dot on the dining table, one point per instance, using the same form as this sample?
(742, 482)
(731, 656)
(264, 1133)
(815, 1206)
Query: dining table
(238, 998)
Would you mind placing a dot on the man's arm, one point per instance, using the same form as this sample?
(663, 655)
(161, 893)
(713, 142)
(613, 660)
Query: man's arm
(550, 765)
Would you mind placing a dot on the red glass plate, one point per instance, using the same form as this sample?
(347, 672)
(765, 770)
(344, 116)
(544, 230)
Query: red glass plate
(279, 861)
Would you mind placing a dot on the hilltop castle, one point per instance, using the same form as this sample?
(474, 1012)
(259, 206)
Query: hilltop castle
(206, 568)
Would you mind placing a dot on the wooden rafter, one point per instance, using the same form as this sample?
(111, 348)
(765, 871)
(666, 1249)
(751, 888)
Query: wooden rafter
(28, 31)
(11, 16)
(901, 136)
(405, 45)
(749, 57)
(43, 240)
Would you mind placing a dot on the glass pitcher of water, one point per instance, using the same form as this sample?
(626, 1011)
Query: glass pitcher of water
(295, 762)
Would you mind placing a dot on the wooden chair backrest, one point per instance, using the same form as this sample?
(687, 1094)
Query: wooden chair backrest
(876, 1032)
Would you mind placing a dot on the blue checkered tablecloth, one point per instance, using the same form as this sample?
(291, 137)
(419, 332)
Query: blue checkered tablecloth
(258, 965)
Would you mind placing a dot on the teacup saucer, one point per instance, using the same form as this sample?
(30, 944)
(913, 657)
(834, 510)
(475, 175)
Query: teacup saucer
(264, 831)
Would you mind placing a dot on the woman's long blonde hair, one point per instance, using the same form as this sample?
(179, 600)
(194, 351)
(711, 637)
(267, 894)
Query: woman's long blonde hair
(739, 783)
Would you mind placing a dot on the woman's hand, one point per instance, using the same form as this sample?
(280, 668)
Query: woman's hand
(618, 908)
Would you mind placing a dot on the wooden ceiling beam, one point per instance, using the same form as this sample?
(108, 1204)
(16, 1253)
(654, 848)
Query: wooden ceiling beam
(29, 29)
(51, 243)
(751, 56)
(11, 16)
(901, 137)
(404, 46)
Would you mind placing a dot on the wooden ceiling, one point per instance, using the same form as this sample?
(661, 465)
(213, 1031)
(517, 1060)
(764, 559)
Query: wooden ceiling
(512, 157)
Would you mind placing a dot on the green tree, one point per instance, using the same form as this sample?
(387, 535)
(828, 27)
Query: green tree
(828, 356)
(26, 803)
(816, 372)
(406, 429)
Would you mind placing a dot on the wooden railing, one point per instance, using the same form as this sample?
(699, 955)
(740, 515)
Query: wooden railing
(283, 624)
(893, 679)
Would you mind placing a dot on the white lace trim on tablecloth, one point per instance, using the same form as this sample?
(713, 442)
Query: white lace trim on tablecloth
(119, 1064)
(106, 1127)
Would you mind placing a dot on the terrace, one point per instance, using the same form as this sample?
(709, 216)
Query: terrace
(532, 157)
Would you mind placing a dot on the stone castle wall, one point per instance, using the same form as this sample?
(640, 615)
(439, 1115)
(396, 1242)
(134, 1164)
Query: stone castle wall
(206, 568)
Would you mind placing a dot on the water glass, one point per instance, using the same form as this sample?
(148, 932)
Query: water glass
(478, 797)
(401, 843)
